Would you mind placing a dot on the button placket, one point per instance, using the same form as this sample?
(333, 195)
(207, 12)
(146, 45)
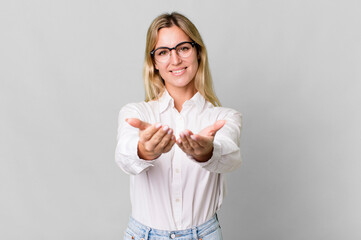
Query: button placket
(177, 176)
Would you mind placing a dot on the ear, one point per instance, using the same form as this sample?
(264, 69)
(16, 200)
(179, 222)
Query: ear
(155, 66)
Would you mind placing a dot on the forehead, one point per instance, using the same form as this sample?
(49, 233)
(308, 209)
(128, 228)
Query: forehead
(169, 37)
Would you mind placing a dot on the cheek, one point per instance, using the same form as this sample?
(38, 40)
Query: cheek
(161, 68)
(162, 71)
(195, 65)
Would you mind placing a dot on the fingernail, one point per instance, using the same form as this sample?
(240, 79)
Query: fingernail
(170, 131)
(193, 137)
(158, 125)
(165, 128)
(186, 133)
(179, 141)
(181, 135)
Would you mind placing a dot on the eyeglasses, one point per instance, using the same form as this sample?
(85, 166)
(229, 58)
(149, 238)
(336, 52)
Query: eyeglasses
(183, 50)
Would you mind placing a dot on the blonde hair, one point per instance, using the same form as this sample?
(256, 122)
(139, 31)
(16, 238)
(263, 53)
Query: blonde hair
(153, 83)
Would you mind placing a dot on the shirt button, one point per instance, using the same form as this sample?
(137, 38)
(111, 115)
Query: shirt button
(172, 235)
(177, 200)
(177, 170)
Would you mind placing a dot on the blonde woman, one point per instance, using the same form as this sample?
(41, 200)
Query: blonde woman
(178, 143)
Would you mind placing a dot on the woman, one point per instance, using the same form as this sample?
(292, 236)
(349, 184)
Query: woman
(177, 144)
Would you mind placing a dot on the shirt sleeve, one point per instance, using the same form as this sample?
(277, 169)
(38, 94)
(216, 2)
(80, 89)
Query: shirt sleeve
(126, 152)
(226, 145)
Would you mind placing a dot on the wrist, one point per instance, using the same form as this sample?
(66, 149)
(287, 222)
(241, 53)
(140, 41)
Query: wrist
(205, 157)
(144, 154)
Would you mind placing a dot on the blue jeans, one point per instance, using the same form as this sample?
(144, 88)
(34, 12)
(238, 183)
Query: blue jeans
(209, 230)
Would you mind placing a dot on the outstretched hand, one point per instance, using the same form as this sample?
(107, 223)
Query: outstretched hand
(153, 139)
(200, 146)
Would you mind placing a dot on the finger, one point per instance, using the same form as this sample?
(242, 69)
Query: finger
(148, 133)
(137, 123)
(203, 141)
(180, 144)
(158, 136)
(170, 145)
(194, 144)
(212, 130)
(185, 142)
(216, 126)
(164, 141)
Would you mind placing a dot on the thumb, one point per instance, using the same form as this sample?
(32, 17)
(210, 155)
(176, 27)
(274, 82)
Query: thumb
(135, 122)
(216, 126)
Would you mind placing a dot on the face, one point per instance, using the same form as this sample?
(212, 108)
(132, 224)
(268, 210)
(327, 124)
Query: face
(177, 72)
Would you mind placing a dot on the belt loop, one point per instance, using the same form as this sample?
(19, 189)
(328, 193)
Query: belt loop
(218, 221)
(147, 233)
(195, 235)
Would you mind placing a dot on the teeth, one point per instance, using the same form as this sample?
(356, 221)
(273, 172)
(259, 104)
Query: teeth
(179, 71)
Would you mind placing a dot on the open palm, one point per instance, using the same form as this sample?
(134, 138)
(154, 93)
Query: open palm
(200, 146)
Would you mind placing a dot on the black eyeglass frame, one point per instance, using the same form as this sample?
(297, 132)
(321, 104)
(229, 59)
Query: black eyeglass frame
(170, 49)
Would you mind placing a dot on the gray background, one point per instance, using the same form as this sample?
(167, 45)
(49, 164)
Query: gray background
(291, 67)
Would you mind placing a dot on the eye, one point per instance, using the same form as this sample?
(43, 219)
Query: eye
(162, 52)
(184, 49)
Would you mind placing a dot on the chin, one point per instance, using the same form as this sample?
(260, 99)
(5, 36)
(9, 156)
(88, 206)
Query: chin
(181, 82)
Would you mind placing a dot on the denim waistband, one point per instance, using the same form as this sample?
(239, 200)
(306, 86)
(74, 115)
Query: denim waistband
(144, 232)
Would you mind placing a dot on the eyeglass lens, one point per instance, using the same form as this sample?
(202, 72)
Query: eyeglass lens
(183, 50)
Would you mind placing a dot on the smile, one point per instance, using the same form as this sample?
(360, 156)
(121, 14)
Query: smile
(178, 72)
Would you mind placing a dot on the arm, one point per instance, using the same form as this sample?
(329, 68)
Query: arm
(226, 146)
(217, 147)
(126, 152)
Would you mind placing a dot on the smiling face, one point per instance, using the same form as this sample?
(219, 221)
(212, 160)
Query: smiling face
(177, 73)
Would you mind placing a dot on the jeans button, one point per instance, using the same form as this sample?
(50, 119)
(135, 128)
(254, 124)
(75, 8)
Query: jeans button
(172, 235)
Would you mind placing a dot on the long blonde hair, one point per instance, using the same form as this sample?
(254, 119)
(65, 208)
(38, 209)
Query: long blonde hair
(153, 83)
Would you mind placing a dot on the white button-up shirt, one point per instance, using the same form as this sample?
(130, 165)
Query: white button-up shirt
(175, 192)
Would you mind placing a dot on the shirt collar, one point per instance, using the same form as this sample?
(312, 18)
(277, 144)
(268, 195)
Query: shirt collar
(166, 101)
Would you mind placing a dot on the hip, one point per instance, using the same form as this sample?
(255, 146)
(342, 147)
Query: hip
(209, 230)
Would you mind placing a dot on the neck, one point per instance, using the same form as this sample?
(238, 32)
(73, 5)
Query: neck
(180, 95)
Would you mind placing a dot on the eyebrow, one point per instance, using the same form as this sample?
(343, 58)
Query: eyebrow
(174, 45)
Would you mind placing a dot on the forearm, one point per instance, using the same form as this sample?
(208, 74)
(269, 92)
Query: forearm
(226, 153)
(126, 152)
(203, 157)
(144, 154)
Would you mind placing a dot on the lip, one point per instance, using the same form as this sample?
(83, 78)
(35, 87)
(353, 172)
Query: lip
(178, 71)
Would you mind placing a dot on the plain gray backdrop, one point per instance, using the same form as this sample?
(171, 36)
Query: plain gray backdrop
(292, 68)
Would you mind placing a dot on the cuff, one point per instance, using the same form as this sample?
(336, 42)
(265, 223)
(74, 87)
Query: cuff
(212, 162)
(139, 164)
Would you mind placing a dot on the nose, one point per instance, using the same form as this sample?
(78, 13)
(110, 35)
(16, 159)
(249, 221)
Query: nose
(174, 58)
